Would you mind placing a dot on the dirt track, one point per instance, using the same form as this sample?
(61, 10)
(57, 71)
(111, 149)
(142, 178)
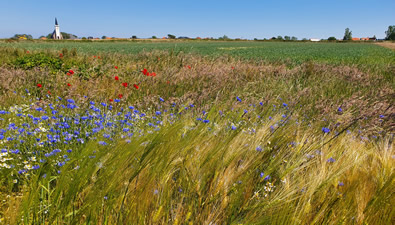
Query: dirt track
(390, 45)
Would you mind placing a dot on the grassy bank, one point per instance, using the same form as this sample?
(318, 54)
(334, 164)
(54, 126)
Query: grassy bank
(165, 137)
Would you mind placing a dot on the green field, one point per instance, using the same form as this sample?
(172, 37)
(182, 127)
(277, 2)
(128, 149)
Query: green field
(196, 133)
(280, 52)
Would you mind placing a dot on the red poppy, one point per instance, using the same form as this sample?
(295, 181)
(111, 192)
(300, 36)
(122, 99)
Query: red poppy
(27, 52)
(71, 71)
(116, 78)
(49, 92)
(189, 67)
(116, 67)
(94, 56)
(111, 100)
(136, 86)
(125, 84)
(98, 57)
(39, 85)
(233, 67)
(120, 95)
(60, 55)
(68, 74)
(145, 71)
(68, 84)
(148, 74)
(168, 82)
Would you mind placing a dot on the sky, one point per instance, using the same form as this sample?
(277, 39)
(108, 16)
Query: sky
(199, 18)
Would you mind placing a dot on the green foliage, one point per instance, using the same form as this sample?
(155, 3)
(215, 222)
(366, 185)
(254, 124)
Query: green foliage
(154, 37)
(31, 61)
(170, 36)
(347, 35)
(22, 36)
(103, 37)
(390, 33)
(331, 39)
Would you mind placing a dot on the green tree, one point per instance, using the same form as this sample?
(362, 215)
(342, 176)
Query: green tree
(293, 38)
(390, 33)
(154, 37)
(347, 35)
(280, 38)
(22, 36)
(331, 39)
(103, 37)
(170, 36)
(287, 38)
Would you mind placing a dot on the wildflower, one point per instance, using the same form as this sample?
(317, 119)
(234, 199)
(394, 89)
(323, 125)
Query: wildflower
(71, 71)
(158, 113)
(331, 160)
(189, 67)
(267, 177)
(262, 174)
(206, 121)
(111, 100)
(161, 99)
(381, 116)
(234, 127)
(39, 85)
(68, 84)
(341, 184)
(68, 74)
(136, 86)
(60, 55)
(116, 67)
(102, 143)
(116, 78)
(285, 104)
(326, 130)
(117, 100)
(125, 84)
(238, 99)
(120, 95)
(340, 109)
(259, 148)
(144, 71)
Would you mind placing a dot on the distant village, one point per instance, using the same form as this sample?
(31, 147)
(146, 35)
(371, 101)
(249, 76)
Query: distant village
(57, 35)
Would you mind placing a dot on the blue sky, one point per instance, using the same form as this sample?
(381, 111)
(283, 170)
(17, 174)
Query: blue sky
(203, 18)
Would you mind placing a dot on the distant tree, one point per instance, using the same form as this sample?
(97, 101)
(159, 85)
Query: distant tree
(293, 38)
(103, 37)
(83, 38)
(154, 37)
(134, 37)
(287, 38)
(347, 35)
(225, 37)
(170, 36)
(331, 39)
(255, 39)
(390, 33)
(280, 38)
(273, 38)
(22, 36)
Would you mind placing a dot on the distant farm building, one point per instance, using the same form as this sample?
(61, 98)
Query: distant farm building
(314, 39)
(356, 39)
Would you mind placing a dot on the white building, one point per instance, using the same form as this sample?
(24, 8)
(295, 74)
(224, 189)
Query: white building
(56, 33)
(314, 39)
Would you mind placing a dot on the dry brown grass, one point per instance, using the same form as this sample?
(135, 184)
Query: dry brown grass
(390, 45)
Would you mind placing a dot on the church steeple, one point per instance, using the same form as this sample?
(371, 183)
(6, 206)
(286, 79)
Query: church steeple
(56, 33)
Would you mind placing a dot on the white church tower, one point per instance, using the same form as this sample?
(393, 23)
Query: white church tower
(56, 33)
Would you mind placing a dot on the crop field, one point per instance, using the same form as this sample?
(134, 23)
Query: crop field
(278, 52)
(196, 133)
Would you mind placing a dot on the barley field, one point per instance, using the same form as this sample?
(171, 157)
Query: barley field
(196, 133)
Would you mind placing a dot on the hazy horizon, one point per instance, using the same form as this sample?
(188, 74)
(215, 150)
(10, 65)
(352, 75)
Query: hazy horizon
(247, 19)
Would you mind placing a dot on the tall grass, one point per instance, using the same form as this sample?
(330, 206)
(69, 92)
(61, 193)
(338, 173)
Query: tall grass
(260, 158)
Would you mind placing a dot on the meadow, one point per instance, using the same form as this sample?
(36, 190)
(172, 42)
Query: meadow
(196, 133)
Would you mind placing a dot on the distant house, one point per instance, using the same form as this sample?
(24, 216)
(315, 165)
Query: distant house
(356, 39)
(372, 39)
(43, 38)
(365, 39)
(198, 38)
(314, 39)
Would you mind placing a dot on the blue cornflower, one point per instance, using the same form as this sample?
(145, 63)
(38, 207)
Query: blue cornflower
(44, 117)
(234, 127)
(92, 102)
(259, 148)
(206, 121)
(70, 101)
(331, 160)
(199, 119)
(238, 99)
(245, 111)
(326, 130)
(262, 174)
(126, 129)
(341, 184)
(158, 113)
(267, 177)
(340, 109)
(117, 100)
(381, 116)
(285, 104)
(161, 99)
(102, 143)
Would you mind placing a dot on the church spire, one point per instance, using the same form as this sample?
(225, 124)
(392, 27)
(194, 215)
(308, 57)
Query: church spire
(56, 21)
